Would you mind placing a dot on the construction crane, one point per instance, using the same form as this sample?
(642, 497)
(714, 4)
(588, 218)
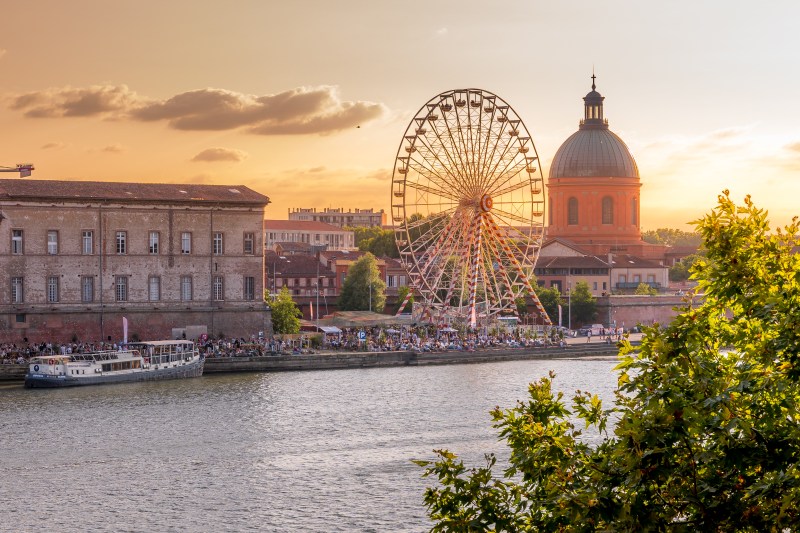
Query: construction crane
(23, 169)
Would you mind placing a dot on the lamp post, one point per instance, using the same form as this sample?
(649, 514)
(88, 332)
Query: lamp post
(569, 298)
(316, 284)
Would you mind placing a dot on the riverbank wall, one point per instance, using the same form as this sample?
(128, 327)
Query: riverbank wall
(336, 360)
(349, 360)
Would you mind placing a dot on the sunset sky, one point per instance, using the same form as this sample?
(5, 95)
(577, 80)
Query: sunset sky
(307, 101)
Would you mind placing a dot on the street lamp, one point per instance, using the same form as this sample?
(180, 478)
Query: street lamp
(317, 287)
(569, 297)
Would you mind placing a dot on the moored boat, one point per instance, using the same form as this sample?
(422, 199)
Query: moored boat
(141, 361)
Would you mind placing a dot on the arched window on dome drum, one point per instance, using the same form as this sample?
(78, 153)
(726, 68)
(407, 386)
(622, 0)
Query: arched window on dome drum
(572, 211)
(550, 213)
(608, 210)
(634, 212)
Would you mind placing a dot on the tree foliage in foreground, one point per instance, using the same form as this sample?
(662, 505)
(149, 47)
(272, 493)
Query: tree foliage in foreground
(705, 433)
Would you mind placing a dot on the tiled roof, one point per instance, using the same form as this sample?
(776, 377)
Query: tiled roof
(299, 225)
(297, 265)
(333, 255)
(632, 261)
(28, 189)
(586, 261)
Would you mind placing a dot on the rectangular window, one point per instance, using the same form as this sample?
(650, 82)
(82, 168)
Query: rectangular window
(52, 289)
(122, 242)
(121, 288)
(216, 246)
(87, 289)
(637, 278)
(249, 288)
(186, 288)
(218, 293)
(87, 240)
(651, 278)
(16, 242)
(17, 296)
(390, 281)
(186, 242)
(154, 242)
(52, 242)
(249, 243)
(604, 285)
(154, 288)
(623, 278)
(594, 286)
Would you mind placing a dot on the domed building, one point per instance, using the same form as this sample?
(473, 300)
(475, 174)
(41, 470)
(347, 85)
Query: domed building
(594, 189)
(594, 233)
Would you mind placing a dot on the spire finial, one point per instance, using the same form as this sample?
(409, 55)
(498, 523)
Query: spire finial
(593, 77)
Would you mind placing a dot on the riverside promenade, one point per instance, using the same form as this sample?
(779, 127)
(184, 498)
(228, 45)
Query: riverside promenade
(578, 347)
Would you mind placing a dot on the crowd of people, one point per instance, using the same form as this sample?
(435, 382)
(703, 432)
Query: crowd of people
(422, 338)
(11, 353)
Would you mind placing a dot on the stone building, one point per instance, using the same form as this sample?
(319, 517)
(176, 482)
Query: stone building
(77, 257)
(321, 234)
(365, 218)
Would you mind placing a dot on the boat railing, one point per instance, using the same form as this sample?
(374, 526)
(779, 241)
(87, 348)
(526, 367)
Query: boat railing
(107, 355)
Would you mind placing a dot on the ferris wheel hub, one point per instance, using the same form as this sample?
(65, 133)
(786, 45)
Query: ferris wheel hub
(486, 203)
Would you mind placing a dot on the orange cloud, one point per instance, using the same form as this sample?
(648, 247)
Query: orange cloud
(220, 154)
(92, 101)
(113, 148)
(53, 145)
(298, 111)
(302, 110)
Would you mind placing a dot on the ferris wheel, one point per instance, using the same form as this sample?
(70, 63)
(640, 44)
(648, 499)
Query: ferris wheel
(468, 206)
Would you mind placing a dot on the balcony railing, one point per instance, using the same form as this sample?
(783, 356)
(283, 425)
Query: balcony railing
(635, 284)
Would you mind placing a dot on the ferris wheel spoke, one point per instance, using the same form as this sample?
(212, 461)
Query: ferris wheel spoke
(432, 158)
(504, 169)
(506, 215)
(433, 190)
(432, 233)
(509, 189)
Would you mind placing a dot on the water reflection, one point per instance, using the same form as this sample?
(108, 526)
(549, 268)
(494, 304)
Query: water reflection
(302, 451)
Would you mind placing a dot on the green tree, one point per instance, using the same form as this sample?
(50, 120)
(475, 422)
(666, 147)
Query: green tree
(645, 289)
(672, 237)
(378, 241)
(680, 271)
(363, 287)
(285, 314)
(382, 245)
(550, 300)
(362, 234)
(705, 432)
(583, 304)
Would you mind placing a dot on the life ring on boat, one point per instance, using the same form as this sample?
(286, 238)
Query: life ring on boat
(51, 361)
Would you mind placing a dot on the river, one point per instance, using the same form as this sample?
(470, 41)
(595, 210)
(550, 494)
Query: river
(291, 451)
